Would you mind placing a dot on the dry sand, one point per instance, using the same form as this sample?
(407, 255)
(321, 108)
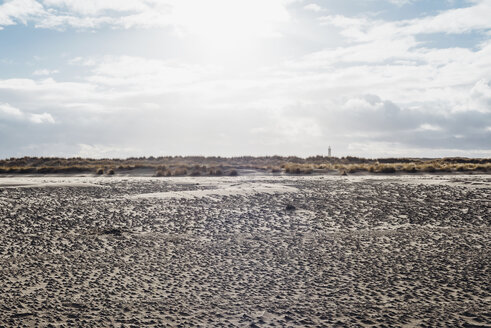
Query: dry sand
(224, 252)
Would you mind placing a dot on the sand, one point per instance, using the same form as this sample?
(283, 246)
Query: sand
(362, 251)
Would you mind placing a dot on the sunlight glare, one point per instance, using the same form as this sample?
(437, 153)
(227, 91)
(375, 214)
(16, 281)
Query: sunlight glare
(230, 22)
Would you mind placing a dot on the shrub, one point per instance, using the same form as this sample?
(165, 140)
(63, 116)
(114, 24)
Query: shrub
(44, 170)
(292, 170)
(215, 171)
(429, 168)
(445, 168)
(26, 170)
(70, 169)
(410, 168)
(387, 169)
(357, 168)
(482, 167)
(180, 171)
(298, 169)
(352, 169)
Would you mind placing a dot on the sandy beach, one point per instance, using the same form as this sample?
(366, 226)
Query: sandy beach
(355, 251)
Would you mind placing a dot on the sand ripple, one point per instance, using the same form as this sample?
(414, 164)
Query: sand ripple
(225, 252)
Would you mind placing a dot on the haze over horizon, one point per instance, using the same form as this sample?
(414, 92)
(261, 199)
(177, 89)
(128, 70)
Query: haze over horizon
(377, 78)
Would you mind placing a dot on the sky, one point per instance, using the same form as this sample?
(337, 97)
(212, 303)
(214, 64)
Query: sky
(122, 78)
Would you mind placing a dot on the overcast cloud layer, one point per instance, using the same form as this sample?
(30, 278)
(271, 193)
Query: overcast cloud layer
(235, 77)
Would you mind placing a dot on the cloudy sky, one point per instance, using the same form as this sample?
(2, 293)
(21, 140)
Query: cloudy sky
(119, 78)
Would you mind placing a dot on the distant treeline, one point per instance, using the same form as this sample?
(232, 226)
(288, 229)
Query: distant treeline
(215, 165)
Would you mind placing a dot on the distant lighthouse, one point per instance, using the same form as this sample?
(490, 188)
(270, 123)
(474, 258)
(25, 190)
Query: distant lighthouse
(329, 151)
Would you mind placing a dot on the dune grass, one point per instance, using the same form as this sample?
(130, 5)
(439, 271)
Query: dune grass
(217, 166)
(435, 166)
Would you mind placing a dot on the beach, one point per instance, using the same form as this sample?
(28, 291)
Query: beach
(246, 251)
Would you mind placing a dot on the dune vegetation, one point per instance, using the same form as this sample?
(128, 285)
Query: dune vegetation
(217, 166)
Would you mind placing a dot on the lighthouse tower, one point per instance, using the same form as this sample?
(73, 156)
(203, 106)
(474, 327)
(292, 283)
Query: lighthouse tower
(329, 151)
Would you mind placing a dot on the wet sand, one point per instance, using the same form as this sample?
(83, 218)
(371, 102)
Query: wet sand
(358, 251)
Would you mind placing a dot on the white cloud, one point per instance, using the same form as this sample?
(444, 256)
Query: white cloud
(480, 96)
(253, 17)
(95, 7)
(401, 2)
(14, 11)
(386, 58)
(429, 127)
(397, 149)
(139, 72)
(45, 71)
(460, 20)
(453, 21)
(91, 14)
(60, 22)
(82, 61)
(313, 7)
(8, 111)
(290, 129)
(41, 118)
(283, 109)
(362, 104)
(212, 18)
(105, 151)
(353, 28)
